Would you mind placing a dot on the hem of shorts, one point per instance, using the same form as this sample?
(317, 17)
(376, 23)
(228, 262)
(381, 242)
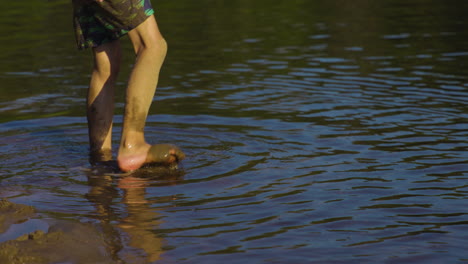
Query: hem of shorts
(117, 37)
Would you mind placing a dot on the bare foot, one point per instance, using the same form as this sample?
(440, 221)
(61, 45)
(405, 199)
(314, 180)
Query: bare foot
(137, 156)
(164, 153)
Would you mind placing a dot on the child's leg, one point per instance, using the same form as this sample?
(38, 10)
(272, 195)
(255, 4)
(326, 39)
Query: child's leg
(100, 99)
(150, 48)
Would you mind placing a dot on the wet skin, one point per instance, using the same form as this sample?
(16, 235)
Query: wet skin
(165, 154)
(134, 152)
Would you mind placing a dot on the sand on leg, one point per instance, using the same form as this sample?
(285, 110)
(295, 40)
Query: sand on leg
(150, 49)
(100, 99)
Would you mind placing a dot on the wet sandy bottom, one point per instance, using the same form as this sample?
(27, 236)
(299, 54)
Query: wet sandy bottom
(44, 240)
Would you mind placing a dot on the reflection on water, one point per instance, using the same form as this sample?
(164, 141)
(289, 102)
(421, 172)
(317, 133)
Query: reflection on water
(331, 132)
(129, 234)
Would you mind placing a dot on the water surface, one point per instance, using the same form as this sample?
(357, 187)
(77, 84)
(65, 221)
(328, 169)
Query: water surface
(316, 132)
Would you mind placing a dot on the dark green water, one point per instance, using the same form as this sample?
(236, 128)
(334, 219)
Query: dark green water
(316, 132)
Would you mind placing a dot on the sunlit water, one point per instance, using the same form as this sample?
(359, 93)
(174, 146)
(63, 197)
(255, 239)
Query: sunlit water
(315, 133)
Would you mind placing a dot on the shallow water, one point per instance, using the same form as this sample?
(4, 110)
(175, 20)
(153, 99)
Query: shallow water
(315, 132)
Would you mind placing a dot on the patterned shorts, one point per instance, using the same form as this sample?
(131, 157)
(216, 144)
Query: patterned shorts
(97, 23)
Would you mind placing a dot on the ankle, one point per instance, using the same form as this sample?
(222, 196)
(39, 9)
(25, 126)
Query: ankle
(133, 148)
(132, 140)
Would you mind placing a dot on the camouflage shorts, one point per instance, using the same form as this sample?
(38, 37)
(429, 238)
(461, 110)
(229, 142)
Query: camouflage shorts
(97, 23)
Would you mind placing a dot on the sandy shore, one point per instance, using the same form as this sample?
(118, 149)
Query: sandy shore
(27, 237)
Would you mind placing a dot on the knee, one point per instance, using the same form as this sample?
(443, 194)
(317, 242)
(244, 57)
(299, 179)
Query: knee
(163, 46)
(156, 48)
(108, 70)
(107, 63)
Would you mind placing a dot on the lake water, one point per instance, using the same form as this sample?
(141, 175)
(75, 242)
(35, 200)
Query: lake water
(315, 132)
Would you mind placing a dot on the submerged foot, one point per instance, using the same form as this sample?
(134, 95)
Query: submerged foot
(100, 156)
(133, 159)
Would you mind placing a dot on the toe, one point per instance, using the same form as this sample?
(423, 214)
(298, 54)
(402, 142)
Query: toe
(165, 153)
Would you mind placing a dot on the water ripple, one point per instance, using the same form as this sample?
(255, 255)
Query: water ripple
(345, 137)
